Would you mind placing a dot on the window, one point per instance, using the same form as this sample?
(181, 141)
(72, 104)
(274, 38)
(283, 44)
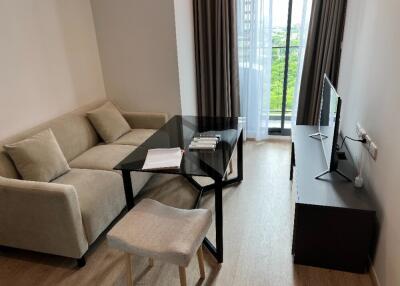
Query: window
(288, 46)
(271, 40)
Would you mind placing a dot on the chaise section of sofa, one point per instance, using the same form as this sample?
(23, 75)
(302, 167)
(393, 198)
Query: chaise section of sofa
(44, 217)
(100, 195)
(65, 216)
(106, 157)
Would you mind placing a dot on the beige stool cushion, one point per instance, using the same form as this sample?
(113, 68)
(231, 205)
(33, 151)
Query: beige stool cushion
(152, 229)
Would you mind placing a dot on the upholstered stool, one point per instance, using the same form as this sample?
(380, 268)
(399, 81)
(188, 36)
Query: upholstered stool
(157, 231)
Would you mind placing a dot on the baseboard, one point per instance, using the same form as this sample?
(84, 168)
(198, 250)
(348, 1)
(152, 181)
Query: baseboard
(374, 276)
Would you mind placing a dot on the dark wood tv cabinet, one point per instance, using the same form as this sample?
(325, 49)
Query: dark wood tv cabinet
(334, 222)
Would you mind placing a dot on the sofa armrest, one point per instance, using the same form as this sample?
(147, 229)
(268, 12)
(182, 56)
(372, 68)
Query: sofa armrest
(42, 217)
(146, 120)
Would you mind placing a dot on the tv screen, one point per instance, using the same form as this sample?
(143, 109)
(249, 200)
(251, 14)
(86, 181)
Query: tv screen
(329, 121)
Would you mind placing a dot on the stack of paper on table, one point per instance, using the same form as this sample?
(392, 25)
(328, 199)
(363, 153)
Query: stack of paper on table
(203, 142)
(163, 158)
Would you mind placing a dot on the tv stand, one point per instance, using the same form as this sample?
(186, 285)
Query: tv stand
(334, 223)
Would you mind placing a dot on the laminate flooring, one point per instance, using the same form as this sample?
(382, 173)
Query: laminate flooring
(257, 238)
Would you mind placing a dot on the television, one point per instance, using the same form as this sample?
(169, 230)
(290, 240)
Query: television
(328, 126)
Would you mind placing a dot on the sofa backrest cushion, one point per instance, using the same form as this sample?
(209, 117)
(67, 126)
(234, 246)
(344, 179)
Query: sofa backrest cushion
(38, 158)
(108, 122)
(73, 132)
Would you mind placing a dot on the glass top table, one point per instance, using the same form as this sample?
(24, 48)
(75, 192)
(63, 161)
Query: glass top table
(178, 132)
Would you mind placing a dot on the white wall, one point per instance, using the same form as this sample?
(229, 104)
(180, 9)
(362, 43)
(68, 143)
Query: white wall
(186, 55)
(137, 45)
(369, 84)
(49, 62)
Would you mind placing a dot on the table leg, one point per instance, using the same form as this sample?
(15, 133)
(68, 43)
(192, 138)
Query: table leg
(219, 220)
(126, 176)
(217, 251)
(240, 157)
(291, 162)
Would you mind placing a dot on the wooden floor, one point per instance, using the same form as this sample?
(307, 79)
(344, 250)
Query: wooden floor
(257, 238)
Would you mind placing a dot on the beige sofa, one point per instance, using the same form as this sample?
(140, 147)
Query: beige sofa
(65, 216)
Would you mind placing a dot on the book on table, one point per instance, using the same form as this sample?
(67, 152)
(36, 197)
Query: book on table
(163, 158)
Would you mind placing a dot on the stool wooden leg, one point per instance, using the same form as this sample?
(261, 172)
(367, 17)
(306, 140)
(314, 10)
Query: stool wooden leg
(151, 262)
(130, 275)
(182, 275)
(200, 258)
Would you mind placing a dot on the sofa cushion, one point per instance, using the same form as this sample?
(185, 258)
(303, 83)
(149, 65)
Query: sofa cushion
(73, 132)
(102, 157)
(106, 157)
(38, 158)
(135, 137)
(101, 198)
(108, 122)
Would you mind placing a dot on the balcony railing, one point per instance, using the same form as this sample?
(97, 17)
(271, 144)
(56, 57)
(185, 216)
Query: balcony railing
(277, 81)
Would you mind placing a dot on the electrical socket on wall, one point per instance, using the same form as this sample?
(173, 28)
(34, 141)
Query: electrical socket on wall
(360, 131)
(369, 144)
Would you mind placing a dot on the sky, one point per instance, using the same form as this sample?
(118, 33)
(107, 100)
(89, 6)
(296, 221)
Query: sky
(280, 12)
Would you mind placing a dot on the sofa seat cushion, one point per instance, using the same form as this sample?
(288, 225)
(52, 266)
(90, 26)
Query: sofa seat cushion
(106, 157)
(135, 137)
(101, 198)
(102, 157)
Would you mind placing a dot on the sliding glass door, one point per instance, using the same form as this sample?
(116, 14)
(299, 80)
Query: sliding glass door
(272, 35)
(289, 35)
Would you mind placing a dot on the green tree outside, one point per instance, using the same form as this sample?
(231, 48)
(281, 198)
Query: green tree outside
(278, 68)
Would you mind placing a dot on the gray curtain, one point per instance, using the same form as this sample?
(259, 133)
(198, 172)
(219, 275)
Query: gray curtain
(322, 55)
(216, 57)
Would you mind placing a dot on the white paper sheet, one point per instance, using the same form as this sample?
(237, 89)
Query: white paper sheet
(163, 158)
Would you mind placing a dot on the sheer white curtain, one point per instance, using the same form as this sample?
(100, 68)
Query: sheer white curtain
(255, 58)
(305, 22)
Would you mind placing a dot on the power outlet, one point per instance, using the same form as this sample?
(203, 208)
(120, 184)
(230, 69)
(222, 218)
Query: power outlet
(369, 144)
(373, 150)
(360, 131)
(368, 140)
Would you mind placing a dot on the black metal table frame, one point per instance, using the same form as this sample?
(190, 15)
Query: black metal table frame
(217, 186)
